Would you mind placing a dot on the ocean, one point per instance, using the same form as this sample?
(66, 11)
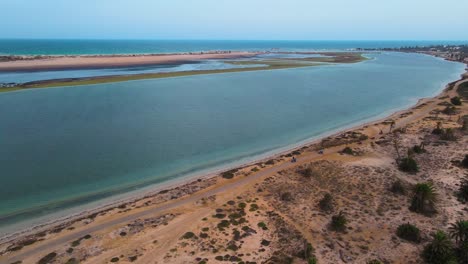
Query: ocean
(70, 146)
(93, 47)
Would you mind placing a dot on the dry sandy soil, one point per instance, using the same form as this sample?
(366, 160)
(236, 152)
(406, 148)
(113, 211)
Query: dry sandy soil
(103, 61)
(268, 212)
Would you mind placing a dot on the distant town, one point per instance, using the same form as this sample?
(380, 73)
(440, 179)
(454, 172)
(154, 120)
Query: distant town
(449, 52)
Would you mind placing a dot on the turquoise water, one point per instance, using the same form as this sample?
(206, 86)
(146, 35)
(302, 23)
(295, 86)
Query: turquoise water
(63, 147)
(77, 47)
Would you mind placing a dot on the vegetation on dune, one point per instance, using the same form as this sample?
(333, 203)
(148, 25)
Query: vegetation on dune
(409, 232)
(459, 231)
(449, 110)
(463, 191)
(439, 250)
(348, 150)
(326, 203)
(455, 100)
(464, 162)
(338, 222)
(398, 187)
(409, 165)
(424, 198)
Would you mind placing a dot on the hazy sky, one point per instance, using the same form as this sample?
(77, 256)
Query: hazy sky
(236, 19)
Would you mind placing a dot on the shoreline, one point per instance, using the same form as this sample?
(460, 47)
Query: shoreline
(156, 189)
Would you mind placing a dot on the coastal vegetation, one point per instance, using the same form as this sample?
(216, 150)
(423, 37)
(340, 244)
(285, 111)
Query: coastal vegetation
(424, 198)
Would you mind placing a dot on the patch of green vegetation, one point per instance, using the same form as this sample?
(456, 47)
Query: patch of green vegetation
(47, 258)
(348, 151)
(338, 222)
(409, 165)
(253, 207)
(409, 232)
(262, 225)
(188, 235)
(456, 100)
(326, 203)
(398, 187)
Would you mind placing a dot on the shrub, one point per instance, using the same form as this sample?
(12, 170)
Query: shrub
(188, 235)
(440, 250)
(398, 187)
(409, 232)
(307, 172)
(286, 196)
(438, 130)
(448, 135)
(47, 258)
(326, 204)
(374, 261)
(455, 100)
(115, 259)
(348, 151)
(409, 165)
(338, 222)
(463, 191)
(227, 174)
(418, 150)
(464, 162)
(424, 198)
(449, 110)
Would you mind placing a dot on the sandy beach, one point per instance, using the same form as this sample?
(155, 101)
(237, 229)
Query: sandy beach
(268, 202)
(42, 63)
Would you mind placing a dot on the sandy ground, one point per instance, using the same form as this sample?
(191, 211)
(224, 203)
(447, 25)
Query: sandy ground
(268, 212)
(87, 62)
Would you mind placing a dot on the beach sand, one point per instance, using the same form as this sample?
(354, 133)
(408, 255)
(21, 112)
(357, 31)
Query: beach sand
(268, 210)
(26, 63)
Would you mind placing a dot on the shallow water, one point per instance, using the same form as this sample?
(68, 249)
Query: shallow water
(62, 147)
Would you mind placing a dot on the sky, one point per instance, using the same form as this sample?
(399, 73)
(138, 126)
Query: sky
(236, 19)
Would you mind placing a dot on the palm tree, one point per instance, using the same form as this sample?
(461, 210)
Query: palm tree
(424, 198)
(440, 250)
(459, 231)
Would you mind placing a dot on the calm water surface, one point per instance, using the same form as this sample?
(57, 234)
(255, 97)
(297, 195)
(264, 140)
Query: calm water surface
(62, 147)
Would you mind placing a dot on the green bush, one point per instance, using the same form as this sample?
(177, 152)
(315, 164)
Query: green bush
(326, 203)
(455, 100)
(463, 191)
(338, 222)
(374, 261)
(398, 187)
(409, 232)
(47, 258)
(348, 151)
(464, 162)
(418, 150)
(409, 165)
(449, 110)
(188, 235)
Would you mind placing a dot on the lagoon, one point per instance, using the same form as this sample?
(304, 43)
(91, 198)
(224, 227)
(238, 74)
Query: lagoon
(68, 146)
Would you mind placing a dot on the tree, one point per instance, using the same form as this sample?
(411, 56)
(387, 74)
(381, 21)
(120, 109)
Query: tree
(459, 231)
(338, 222)
(440, 250)
(424, 198)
